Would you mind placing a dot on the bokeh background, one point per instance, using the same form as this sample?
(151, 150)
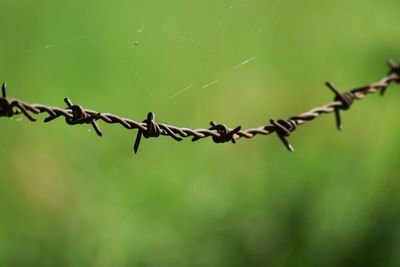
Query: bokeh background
(70, 198)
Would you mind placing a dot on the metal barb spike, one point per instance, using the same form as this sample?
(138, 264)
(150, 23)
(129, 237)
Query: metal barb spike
(152, 130)
(68, 102)
(283, 128)
(346, 100)
(333, 88)
(4, 89)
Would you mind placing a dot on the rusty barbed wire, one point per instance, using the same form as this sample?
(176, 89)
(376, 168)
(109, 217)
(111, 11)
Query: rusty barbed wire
(220, 133)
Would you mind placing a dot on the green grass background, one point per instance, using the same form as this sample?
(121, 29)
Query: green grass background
(70, 198)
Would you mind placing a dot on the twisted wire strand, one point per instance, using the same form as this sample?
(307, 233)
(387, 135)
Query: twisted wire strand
(220, 133)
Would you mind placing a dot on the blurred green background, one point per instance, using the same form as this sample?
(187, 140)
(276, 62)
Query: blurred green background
(69, 198)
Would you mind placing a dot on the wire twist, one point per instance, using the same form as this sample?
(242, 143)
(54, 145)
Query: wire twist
(220, 133)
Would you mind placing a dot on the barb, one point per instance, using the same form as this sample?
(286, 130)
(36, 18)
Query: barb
(219, 133)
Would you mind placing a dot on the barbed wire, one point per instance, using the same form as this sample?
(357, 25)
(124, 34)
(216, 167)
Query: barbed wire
(220, 133)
